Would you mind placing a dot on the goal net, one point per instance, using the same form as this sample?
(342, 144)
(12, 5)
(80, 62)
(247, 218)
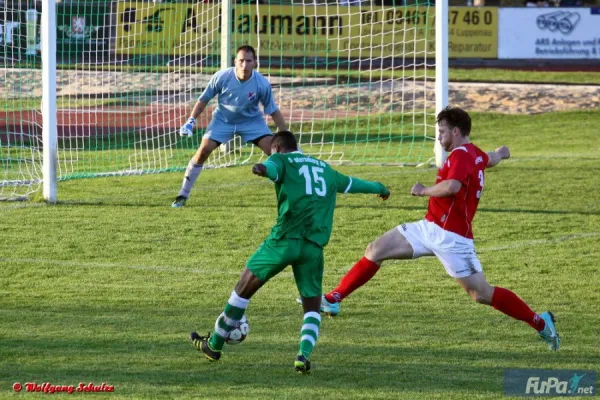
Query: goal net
(354, 80)
(20, 94)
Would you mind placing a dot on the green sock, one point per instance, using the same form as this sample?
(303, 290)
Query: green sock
(309, 333)
(234, 311)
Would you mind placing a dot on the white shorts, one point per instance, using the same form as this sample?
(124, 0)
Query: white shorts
(456, 252)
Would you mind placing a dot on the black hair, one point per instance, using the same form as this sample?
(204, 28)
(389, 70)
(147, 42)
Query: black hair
(456, 117)
(247, 48)
(286, 140)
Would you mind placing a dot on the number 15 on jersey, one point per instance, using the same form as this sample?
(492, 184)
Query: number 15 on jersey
(314, 182)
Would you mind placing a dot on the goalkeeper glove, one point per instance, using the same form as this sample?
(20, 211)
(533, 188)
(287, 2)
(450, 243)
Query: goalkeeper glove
(187, 130)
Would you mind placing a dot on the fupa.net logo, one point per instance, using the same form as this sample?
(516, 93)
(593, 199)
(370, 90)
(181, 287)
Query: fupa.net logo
(554, 386)
(539, 382)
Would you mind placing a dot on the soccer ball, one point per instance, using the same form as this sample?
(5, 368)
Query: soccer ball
(239, 333)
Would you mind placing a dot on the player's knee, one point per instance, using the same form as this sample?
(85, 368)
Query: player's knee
(372, 253)
(369, 250)
(480, 297)
(202, 155)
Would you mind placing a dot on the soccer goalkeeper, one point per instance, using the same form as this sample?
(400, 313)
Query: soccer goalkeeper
(306, 191)
(240, 90)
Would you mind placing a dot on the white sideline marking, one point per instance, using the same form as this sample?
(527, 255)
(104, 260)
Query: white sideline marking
(539, 242)
(20, 204)
(117, 265)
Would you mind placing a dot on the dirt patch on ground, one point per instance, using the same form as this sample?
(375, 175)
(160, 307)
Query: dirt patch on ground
(414, 97)
(157, 91)
(524, 99)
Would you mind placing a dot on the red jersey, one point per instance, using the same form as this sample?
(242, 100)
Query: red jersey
(455, 213)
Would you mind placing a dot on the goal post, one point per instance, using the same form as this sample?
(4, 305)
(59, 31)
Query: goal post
(359, 82)
(49, 126)
(441, 70)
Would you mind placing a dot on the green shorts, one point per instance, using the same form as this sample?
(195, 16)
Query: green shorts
(306, 259)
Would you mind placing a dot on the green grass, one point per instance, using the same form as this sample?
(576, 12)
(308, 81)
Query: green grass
(539, 76)
(106, 285)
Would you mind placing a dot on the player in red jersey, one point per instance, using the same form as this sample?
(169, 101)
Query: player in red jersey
(446, 231)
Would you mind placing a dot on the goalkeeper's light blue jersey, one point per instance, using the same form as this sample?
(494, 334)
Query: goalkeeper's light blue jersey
(238, 101)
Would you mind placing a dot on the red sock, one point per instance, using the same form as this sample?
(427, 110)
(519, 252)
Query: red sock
(510, 304)
(358, 275)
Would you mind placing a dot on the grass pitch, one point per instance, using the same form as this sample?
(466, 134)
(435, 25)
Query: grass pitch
(106, 285)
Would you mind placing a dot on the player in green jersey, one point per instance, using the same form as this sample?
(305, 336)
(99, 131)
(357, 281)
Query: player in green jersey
(306, 191)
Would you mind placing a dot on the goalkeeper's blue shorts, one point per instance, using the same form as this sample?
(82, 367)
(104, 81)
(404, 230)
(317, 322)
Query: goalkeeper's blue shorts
(250, 130)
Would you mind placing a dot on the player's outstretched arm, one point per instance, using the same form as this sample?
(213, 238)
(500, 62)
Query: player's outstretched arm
(347, 184)
(199, 107)
(259, 169)
(501, 153)
(443, 189)
(268, 169)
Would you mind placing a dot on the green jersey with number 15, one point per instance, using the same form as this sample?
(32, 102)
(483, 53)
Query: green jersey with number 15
(306, 190)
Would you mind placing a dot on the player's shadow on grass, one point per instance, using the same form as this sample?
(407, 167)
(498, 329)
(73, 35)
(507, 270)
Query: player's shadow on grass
(364, 368)
(150, 363)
